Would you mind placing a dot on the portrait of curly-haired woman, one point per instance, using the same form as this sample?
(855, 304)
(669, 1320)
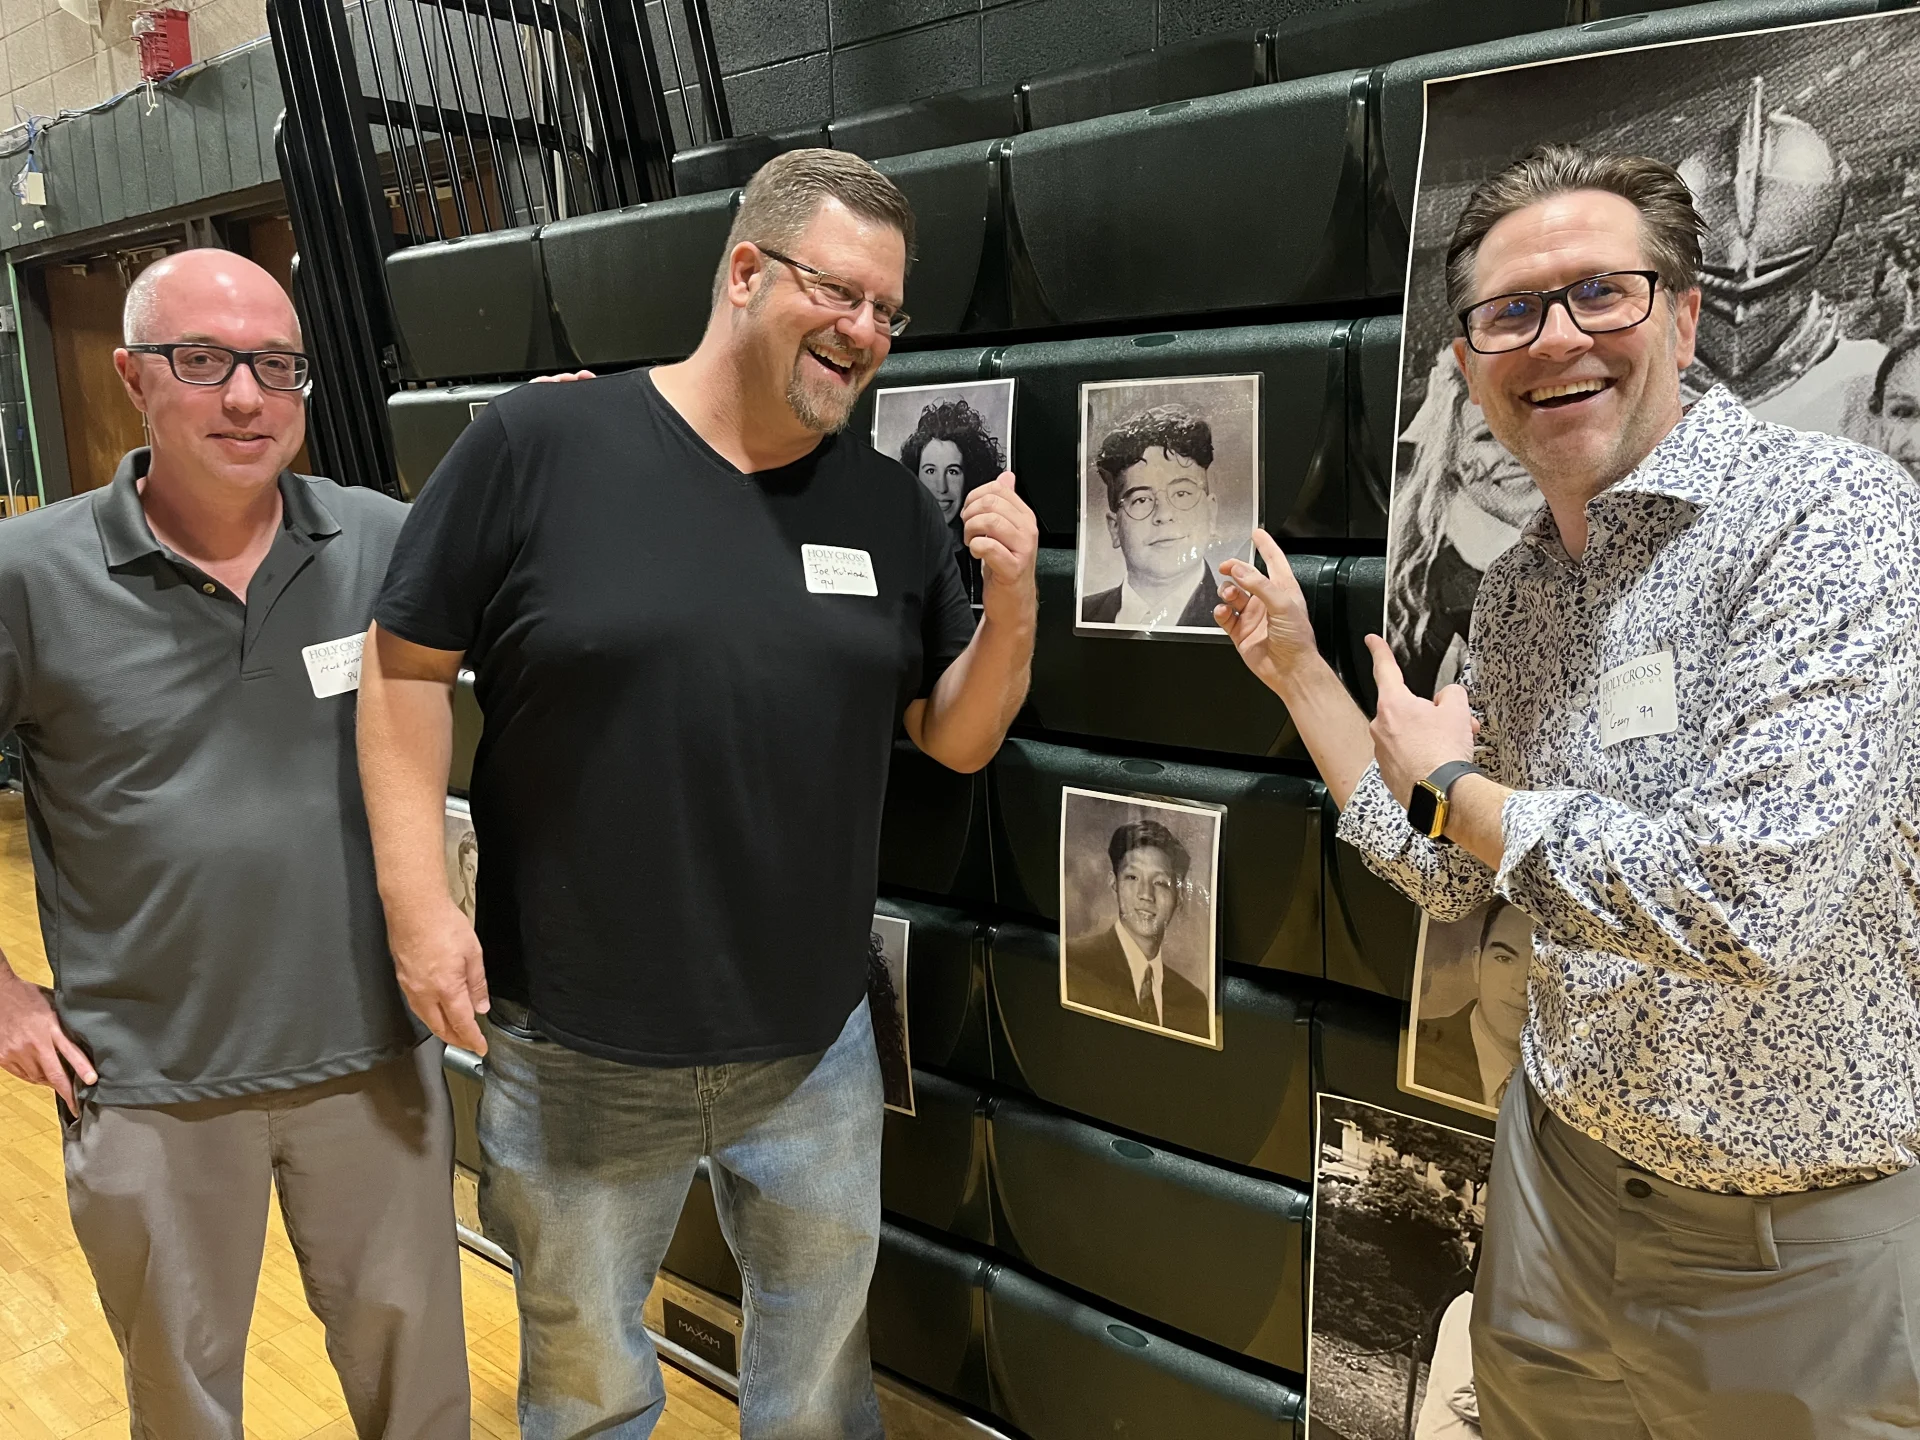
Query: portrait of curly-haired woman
(952, 438)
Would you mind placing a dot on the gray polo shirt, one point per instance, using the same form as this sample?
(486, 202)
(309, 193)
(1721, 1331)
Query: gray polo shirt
(204, 871)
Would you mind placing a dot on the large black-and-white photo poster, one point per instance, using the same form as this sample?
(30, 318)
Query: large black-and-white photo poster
(462, 853)
(1800, 147)
(953, 439)
(1399, 1204)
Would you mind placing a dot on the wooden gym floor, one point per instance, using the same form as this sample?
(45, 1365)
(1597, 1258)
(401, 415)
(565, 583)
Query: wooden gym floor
(60, 1372)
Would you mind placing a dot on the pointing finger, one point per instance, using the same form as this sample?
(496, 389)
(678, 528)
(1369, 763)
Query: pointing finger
(1386, 670)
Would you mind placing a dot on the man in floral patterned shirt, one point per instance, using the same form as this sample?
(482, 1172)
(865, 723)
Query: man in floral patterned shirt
(1692, 708)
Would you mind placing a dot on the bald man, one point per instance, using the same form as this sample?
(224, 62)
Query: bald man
(179, 652)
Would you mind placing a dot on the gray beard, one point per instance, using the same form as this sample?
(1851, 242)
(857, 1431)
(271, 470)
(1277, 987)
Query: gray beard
(808, 410)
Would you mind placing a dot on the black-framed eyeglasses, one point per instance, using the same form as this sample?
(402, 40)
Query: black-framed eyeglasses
(195, 364)
(837, 293)
(1597, 305)
(1141, 501)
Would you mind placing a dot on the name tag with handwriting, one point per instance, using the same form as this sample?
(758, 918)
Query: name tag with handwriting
(836, 570)
(333, 666)
(1637, 699)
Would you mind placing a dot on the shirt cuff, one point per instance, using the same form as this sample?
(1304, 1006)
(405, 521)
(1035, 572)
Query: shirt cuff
(1373, 822)
(1525, 820)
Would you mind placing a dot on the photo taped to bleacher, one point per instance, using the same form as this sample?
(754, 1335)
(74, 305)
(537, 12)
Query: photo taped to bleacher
(1462, 1040)
(1138, 928)
(1399, 1204)
(463, 856)
(953, 438)
(887, 1003)
(1798, 145)
(1169, 489)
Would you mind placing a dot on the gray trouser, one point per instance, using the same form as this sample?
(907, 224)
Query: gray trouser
(1612, 1304)
(170, 1205)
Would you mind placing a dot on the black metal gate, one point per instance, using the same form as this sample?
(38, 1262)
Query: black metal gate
(410, 121)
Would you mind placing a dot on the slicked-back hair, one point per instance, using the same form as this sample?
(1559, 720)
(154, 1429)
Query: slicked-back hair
(1173, 428)
(785, 193)
(1670, 226)
(1147, 835)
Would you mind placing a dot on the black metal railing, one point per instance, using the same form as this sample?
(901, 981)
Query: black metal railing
(409, 121)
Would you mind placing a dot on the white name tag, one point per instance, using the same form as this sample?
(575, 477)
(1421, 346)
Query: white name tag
(334, 665)
(1637, 699)
(836, 570)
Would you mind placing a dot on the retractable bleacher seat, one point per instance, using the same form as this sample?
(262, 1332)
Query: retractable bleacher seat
(1246, 1102)
(1062, 1370)
(1187, 70)
(1379, 31)
(728, 163)
(1357, 1040)
(1373, 397)
(466, 734)
(1230, 202)
(1162, 691)
(926, 1315)
(946, 987)
(425, 423)
(1268, 907)
(698, 1251)
(922, 367)
(957, 282)
(934, 1161)
(1303, 411)
(1204, 1250)
(959, 117)
(1398, 100)
(933, 830)
(637, 284)
(476, 305)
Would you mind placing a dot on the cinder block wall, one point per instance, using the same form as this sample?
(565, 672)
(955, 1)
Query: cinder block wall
(791, 62)
(51, 60)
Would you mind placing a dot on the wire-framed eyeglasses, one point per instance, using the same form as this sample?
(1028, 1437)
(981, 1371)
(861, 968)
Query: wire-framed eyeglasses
(1597, 305)
(1141, 501)
(193, 363)
(837, 293)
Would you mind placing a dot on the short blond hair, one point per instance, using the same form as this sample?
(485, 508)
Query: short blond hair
(785, 193)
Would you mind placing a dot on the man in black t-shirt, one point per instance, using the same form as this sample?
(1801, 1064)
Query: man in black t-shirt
(697, 614)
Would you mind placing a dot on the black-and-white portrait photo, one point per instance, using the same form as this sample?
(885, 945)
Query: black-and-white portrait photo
(1399, 1204)
(1169, 488)
(887, 1002)
(463, 856)
(1137, 926)
(955, 438)
(1798, 145)
(1469, 1007)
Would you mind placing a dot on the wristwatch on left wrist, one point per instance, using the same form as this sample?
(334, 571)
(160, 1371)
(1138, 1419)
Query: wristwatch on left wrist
(1427, 809)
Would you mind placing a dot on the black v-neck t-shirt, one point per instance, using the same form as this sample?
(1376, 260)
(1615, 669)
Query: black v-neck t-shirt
(678, 786)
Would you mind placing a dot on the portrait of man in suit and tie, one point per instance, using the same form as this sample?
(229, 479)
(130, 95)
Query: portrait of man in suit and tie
(1170, 489)
(1137, 913)
(1470, 1004)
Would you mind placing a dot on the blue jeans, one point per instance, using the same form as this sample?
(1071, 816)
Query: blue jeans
(586, 1165)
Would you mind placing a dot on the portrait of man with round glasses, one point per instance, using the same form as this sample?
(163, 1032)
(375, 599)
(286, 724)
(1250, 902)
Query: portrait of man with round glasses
(1169, 490)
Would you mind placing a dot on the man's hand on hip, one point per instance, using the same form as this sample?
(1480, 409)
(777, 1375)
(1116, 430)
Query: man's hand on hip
(1003, 536)
(1412, 737)
(34, 1046)
(437, 958)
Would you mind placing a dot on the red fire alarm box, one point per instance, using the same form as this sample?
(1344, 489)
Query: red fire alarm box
(164, 43)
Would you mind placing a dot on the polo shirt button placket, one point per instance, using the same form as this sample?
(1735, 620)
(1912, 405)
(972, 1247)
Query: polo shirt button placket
(1638, 1188)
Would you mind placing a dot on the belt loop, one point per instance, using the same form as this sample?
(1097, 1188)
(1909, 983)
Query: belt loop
(1763, 1235)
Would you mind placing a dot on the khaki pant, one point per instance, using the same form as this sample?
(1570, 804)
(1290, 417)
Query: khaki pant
(170, 1205)
(1613, 1305)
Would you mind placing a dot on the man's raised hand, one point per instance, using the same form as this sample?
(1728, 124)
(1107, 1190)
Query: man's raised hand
(1266, 615)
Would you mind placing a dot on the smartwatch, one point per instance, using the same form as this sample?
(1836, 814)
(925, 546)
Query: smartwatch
(1427, 810)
